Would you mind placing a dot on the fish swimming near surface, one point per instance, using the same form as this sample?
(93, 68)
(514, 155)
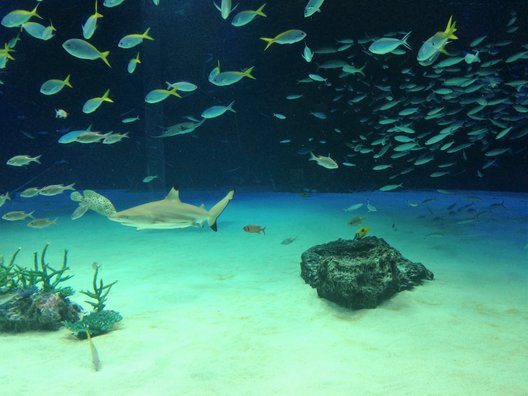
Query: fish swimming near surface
(170, 213)
(254, 229)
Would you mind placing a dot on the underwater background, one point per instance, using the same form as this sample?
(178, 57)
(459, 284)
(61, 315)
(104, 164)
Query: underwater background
(432, 158)
(243, 148)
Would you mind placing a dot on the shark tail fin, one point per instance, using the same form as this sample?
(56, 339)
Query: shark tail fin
(218, 208)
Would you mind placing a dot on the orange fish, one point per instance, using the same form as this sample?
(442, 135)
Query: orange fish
(254, 229)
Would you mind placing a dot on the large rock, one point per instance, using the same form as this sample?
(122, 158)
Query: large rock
(360, 273)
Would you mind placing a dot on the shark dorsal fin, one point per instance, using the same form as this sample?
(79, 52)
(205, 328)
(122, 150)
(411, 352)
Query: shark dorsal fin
(174, 194)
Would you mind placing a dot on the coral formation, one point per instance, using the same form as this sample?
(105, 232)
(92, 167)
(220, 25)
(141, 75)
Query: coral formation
(32, 299)
(99, 321)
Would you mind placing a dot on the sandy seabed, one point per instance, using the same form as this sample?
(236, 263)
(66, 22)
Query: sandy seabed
(227, 313)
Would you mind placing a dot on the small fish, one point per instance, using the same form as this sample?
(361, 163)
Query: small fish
(356, 220)
(112, 3)
(17, 18)
(223, 79)
(279, 116)
(93, 104)
(30, 192)
(90, 137)
(3, 198)
(55, 189)
(325, 162)
(95, 355)
(470, 58)
(361, 233)
(61, 113)
(431, 48)
(17, 215)
(353, 207)
(41, 223)
(370, 207)
(112, 138)
(130, 120)
(84, 50)
(216, 111)
(307, 54)
(317, 77)
(385, 45)
(131, 40)
(294, 96)
(391, 187)
(91, 24)
(312, 7)
(224, 8)
(287, 241)
(254, 229)
(39, 31)
(184, 86)
(148, 179)
(54, 86)
(132, 64)
(244, 17)
(320, 115)
(288, 37)
(22, 160)
(158, 95)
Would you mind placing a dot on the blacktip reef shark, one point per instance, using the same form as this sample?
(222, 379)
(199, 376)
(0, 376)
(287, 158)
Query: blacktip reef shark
(170, 213)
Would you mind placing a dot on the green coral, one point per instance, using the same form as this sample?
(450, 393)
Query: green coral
(13, 276)
(99, 321)
(100, 292)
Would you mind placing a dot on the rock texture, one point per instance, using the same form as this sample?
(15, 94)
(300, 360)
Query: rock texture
(34, 309)
(360, 273)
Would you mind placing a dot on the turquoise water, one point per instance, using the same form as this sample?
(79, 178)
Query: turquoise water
(227, 313)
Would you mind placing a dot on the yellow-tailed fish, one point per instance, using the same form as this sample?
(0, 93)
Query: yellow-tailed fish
(216, 111)
(223, 79)
(93, 104)
(288, 37)
(17, 17)
(157, 95)
(183, 86)
(244, 17)
(131, 40)
(132, 64)
(435, 44)
(39, 31)
(53, 86)
(91, 24)
(84, 50)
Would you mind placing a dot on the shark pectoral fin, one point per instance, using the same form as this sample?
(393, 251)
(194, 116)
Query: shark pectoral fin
(218, 208)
